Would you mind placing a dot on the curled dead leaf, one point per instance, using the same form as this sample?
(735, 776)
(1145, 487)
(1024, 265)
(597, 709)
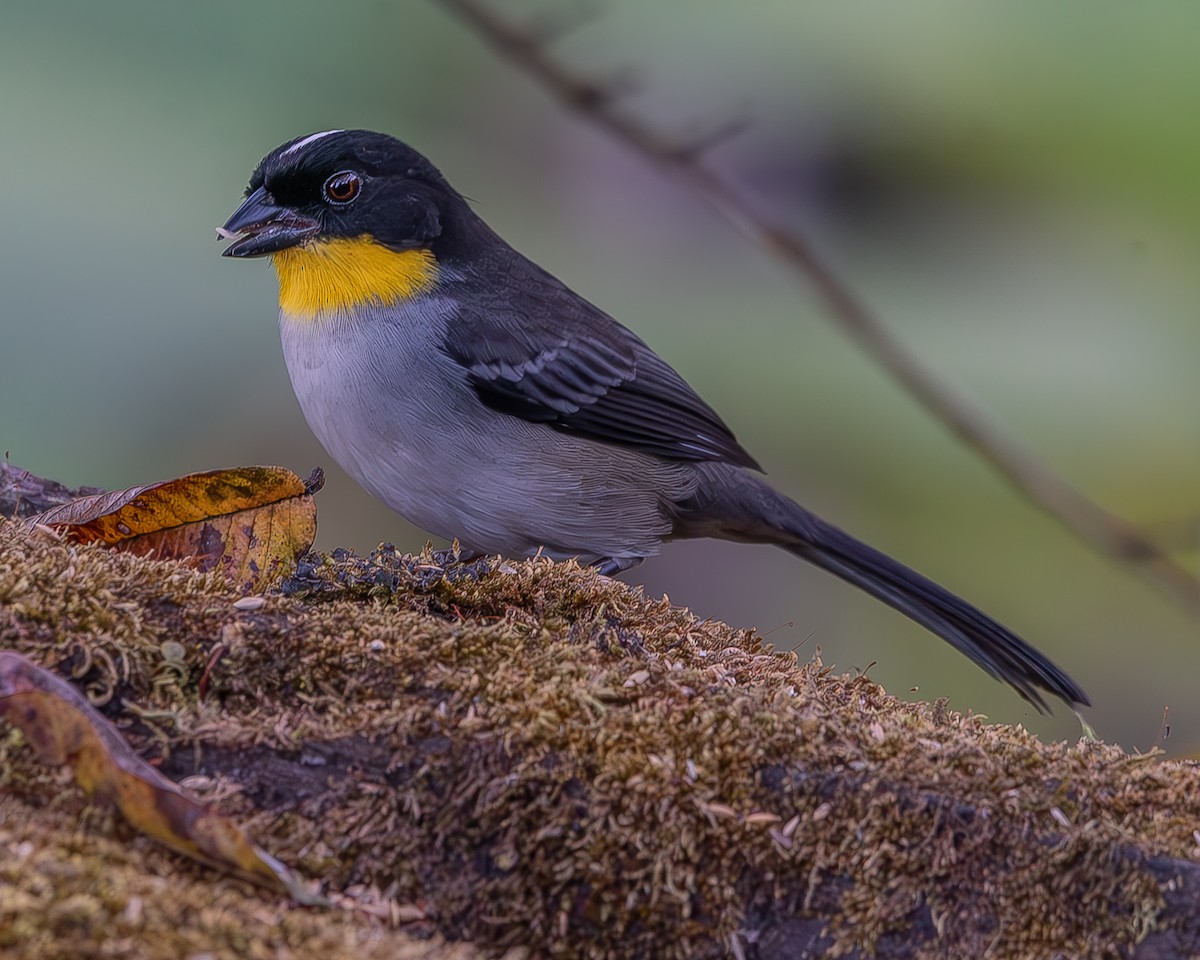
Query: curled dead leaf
(64, 728)
(252, 523)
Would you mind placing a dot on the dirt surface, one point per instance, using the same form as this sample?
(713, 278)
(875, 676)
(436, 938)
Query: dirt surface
(531, 756)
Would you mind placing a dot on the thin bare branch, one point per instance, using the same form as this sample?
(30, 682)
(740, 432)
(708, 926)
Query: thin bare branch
(714, 137)
(1102, 530)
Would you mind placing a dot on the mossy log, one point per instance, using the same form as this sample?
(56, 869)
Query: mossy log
(530, 757)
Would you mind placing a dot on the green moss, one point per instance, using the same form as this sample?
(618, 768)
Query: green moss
(539, 755)
(67, 893)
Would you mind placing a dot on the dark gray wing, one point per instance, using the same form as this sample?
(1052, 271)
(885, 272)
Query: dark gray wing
(545, 354)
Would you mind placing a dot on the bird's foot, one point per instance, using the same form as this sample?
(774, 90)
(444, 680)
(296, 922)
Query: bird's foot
(611, 566)
(447, 556)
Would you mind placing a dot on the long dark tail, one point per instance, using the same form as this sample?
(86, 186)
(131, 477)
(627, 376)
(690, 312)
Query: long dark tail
(740, 506)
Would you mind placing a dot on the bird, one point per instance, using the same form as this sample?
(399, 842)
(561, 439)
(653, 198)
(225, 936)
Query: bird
(482, 399)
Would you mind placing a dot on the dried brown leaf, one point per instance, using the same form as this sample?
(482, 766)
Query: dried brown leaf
(65, 729)
(252, 523)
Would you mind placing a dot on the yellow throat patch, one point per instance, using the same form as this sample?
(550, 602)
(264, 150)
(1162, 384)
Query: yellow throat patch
(334, 275)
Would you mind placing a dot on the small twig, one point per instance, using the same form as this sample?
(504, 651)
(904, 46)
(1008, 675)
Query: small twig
(1164, 730)
(1102, 530)
(719, 135)
(1181, 533)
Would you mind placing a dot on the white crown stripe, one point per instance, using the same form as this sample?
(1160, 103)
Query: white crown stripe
(311, 138)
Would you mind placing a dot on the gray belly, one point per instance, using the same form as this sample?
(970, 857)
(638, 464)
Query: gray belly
(398, 415)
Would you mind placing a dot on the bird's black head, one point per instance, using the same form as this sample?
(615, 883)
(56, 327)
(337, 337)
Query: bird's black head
(341, 184)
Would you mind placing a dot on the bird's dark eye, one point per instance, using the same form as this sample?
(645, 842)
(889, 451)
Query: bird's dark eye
(342, 187)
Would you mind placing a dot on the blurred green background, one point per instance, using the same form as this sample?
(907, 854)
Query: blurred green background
(1012, 186)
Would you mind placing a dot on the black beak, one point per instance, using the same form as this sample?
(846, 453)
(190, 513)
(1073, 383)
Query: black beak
(260, 226)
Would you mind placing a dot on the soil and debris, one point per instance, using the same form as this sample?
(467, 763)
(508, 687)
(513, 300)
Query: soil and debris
(528, 755)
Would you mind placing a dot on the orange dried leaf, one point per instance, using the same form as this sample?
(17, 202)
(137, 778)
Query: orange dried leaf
(251, 522)
(65, 729)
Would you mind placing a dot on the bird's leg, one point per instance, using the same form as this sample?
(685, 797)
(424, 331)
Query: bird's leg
(611, 566)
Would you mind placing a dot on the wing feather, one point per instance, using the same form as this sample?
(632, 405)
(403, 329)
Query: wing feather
(549, 356)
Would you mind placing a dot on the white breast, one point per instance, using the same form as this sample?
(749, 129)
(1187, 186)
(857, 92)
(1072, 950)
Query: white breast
(398, 414)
